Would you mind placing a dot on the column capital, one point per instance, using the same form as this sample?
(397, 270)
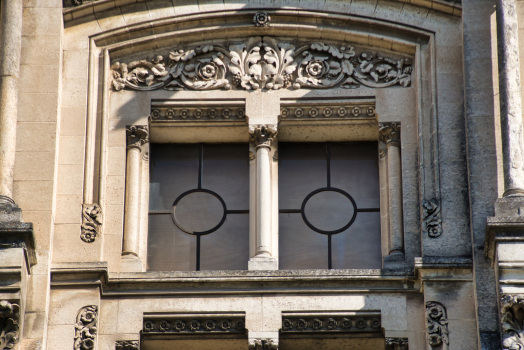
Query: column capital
(389, 132)
(137, 135)
(397, 344)
(263, 134)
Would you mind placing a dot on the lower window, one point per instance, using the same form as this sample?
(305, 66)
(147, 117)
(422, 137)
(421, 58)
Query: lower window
(329, 200)
(194, 188)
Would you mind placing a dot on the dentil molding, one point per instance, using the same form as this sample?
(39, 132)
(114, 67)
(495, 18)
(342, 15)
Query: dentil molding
(263, 63)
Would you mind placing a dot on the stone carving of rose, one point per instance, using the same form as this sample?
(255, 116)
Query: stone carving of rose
(435, 312)
(261, 19)
(316, 69)
(88, 317)
(208, 71)
(88, 344)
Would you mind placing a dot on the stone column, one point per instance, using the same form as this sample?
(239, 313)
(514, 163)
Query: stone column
(262, 136)
(390, 135)
(510, 98)
(11, 22)
(137, 136)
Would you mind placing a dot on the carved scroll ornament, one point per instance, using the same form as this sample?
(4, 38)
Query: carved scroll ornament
(91, 222)
(432, 222)
(437, 322)
(9, 331)
(85, 328)
(263, 63)
(512, 310)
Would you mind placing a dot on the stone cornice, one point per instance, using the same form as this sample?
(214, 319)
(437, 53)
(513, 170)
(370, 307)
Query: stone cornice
(88, 7)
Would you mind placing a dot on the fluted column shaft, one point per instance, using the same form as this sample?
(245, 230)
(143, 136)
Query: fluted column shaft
(11, 23)
(510, 98)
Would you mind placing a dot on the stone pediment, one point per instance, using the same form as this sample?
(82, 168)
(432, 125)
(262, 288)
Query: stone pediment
(264, 63)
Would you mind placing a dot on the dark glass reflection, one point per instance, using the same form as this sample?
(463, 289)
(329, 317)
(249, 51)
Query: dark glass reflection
(199, 177)
(320, 187)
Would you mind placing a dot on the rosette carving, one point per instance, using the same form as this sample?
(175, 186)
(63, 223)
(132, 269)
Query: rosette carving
(91, 222)
(85, 328)
(263, 63)
(437, 322)
(9, 317)
(512, 310)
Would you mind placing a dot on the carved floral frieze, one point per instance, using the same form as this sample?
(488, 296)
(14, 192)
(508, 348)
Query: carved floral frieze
(85, 328)
(198, 113)
(328, 112)
(263, 63)
(437, 323)
(512, 312)
(9, 329)
(340, 323)
(184, 325)
(91, 222)
(432, 222)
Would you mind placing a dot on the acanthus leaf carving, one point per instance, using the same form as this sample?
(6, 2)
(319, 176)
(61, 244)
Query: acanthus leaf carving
(263, 63)
(437, 323)
(263, 344)
(397, 344)
(263, 135)
(9, 318)
(127, 345)
(389, 132)
(85, 328)
(91, 222)
(137, 135)
(432, 222)
(512, 310)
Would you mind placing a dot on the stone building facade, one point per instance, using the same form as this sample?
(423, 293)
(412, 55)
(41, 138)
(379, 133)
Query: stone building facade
(170, 158)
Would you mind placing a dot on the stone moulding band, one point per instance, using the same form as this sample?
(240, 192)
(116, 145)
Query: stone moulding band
(263, 63)
(332, 111)
(194, 111)
(194, 324)
(350, 322)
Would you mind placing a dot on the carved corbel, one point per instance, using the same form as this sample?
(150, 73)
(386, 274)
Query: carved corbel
(85, 328)
(9, 330)
(91, 222)
(263, 135)
(127, 345)
(512, 319)
(136, 136)
(437, 322)
(432, 221)
(397, 344)
(389, 133)
(263, 344)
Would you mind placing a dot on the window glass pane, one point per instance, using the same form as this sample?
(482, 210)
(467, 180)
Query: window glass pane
(359, 246)
(226, 172)
(174, 170)
(175, 177)
(354, 169)
(299, 246)
(335, 179)
(228, 247)
(301, 170)
(169, 249)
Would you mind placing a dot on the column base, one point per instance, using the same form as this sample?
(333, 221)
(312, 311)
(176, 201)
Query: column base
(256, 263)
